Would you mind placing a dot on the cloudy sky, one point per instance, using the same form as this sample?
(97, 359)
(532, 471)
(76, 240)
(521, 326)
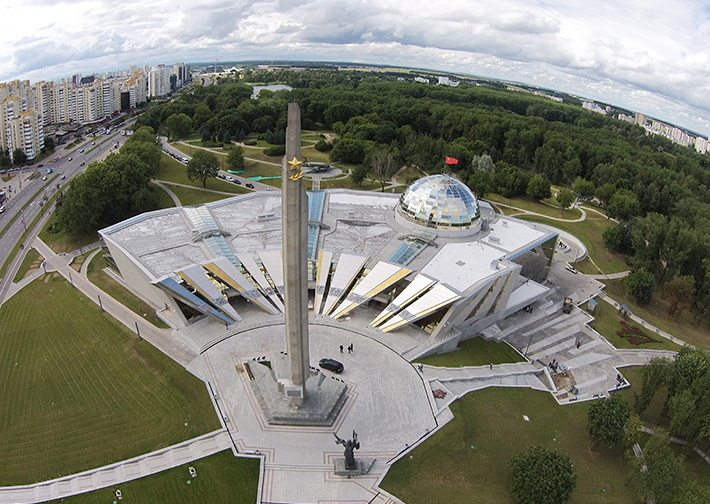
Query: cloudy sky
(651, 56)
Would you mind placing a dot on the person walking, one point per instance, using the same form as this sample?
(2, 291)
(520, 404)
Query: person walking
(341, 348)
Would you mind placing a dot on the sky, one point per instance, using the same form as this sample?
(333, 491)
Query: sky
(650, 56)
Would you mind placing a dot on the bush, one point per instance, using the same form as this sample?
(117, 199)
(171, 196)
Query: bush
(250, 142)
(323, 146)
(278, 150)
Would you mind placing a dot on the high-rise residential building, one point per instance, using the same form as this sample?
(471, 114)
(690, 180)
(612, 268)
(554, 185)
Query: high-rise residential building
(159, 81)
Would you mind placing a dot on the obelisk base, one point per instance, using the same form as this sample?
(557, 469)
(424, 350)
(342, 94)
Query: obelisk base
(325, 394)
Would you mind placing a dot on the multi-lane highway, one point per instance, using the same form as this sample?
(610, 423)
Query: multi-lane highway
(26, 198)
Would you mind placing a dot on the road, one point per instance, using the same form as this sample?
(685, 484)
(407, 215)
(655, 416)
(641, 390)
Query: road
(26, 196)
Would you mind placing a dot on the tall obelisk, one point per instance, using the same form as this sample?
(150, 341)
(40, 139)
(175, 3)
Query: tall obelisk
(294, 206)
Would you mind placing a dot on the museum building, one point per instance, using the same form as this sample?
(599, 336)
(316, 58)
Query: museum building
(434, 261)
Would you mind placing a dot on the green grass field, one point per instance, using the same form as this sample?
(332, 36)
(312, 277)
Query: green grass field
(475, 352)
(32, 261)
(196, 196)
(164, 199)
(466, 461)
(609, 323)
(62, 241)
(590, 232)
(221, 479)
(97, 276)
(534, 206)
(78, 390)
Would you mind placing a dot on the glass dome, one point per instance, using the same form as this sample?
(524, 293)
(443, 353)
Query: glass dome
(441, 202)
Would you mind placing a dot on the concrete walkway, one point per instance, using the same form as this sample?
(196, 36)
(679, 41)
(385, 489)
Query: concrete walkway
(172, 195)
(113, 475)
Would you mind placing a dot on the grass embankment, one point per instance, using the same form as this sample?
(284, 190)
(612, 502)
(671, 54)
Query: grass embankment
(220, 478)
(475, 352)
(79, 391)
(534, 206)
(96, 274)
(164, 199)
(610, 323)
(31, 262)
(656, 313)
(466, 461)
(589, 232)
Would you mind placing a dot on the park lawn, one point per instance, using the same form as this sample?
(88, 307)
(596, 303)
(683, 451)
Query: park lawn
(195, 196)
(79, 390)
(589, 231)
(410, 174)
(96, 275)
(475, 352)
(467, 460)
(656, 313)
(62, 241)
(176, 172)
(221, 478)
(347, 183)
(31, 262)
(534, 206)
(608, 322)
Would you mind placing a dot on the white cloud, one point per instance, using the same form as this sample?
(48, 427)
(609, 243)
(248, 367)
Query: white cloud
(647, 55)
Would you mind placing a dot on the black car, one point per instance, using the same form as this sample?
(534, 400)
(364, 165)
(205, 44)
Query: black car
(331, 365)
(250, 186)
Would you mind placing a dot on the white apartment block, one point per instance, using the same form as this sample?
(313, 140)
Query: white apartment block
(159, 81)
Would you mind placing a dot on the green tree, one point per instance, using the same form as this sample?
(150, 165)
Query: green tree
(542, 476)
(481, 183)
(539, 188)
(584, 188)
(654, 375)
(359, 174)
(384, 166)
(680, 292)
(605, 192)
(641, 284)
(48, 143)
(623, 205)
(665, 472)
(203, 165)
(692, 493)
(5, 160)
(606, 420)
(349, 150)
(179, 126)
(235, 158)
(565, 198)
(19, 156)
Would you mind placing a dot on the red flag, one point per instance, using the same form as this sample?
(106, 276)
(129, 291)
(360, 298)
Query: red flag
(451, 160)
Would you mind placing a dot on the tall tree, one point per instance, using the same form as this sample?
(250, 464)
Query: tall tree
(539, 188)
(565, 198)
(203, 165)
(542, 476)
(680, 292)
(606, 420)
(19, 156)
(179, 126)
(235, 158)
(384, 166)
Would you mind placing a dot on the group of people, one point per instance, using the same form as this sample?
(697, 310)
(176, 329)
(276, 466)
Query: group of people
(351, 348)
(554, 366)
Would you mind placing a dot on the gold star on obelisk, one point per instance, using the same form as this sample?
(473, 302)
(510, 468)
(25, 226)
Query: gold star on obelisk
(296, 166)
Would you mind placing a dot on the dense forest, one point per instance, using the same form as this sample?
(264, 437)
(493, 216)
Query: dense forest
(502, 139)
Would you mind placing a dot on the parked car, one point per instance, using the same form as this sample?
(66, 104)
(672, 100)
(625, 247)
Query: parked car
(331, 365)
(250, 185)
(229, 178)
(236, 181)
(2, 209)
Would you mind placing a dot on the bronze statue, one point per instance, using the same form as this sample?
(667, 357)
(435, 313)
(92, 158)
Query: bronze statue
(350, 445)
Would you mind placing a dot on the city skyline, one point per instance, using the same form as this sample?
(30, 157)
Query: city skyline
(646, 57)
